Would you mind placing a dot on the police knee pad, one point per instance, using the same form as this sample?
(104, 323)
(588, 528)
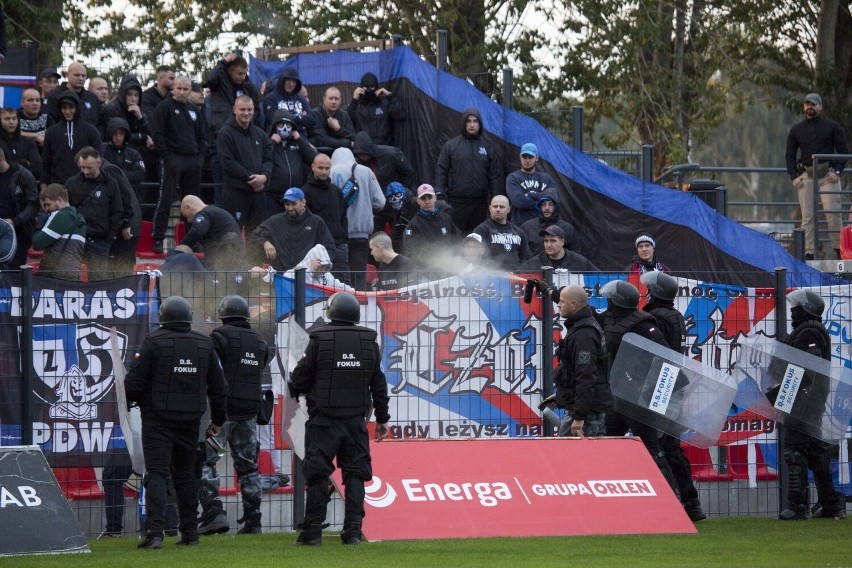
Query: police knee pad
(794, 457)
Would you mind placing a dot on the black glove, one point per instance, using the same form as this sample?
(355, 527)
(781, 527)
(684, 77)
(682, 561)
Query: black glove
(549, 401)
(540, 285)
(292, 391)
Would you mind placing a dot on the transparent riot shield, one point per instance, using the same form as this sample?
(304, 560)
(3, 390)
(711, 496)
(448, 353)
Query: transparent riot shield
(130, 419)
(804, 392)
(295, 414)
(670, 392)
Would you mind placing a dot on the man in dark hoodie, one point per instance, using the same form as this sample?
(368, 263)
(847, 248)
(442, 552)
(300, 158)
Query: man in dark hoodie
(556, 256)
(18, 205)
(97, 198)
(334, 127)
(17, 147)
(245, 153)
(126, 105)
(292, 154)
(123, 249)
(286, 96)
(64, 139)
(468, 173)
(374, 110)
(89, 103)
(430, 233)
(325, 199)
(180, 137)
(548, 214)
(388, 164)
(404, 207)
(117, 151)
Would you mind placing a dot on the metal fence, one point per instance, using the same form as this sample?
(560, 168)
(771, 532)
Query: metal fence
(465, 357)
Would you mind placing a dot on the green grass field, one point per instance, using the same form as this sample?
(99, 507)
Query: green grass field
(746, 542)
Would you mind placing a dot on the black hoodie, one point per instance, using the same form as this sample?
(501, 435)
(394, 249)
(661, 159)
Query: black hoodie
(21, 150)
(297, 105)
(88, 104)
(117, 108)
(376, 116)
(468, 167)
(291, 159)
(387, 162)
(533, 227)
(125, 157)
(63, 140)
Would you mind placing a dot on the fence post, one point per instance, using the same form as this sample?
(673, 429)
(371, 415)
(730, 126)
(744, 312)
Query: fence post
(799, 244)
(25, 346)
(507, 88)
(577, 120)
(547, 342)
(815, 205)
(721, 200)
(781, 334)
(442, 50)
(648, 162)
(298, 477)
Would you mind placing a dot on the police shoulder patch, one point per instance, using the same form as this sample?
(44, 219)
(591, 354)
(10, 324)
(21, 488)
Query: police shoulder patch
(584, 357)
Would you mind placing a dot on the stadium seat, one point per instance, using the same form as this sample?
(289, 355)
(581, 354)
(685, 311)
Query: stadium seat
(180, 233)
(738, 463)
(145, 244)
(78, 483)
(846, 243)
(702, 464)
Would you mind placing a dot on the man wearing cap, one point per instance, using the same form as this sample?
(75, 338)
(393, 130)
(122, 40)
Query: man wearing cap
(817, 135)
(645, 259)
(216, 230)
(180, 138)
(548, 214)
(48, 80)
(429, 232)
(556, 255)
(285, 238)
(525, 186)
(374, 110)
(292, 154)
(505, 243)
(468, 173)
(90, 104)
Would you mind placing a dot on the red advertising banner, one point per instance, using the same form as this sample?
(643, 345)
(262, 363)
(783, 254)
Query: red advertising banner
(430, 489)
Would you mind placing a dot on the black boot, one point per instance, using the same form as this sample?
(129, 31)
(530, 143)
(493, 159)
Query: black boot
(797, 487)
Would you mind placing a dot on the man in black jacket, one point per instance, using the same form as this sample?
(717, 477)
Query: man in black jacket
(468, 173)
(325, 199)
(18, 205)
(429, 232)
(556, 255)
(64, 139)
(126, 105)
(17, 147)
(245, 153)
(582, 378)
(334, 127)
(375, 111)
(803, 452)
(548, 214)
(180, 139)
(216, 230)
(291, 156)
(90, 104)
(505, 243)
(97, 198)
(389, 165)
(172, 378)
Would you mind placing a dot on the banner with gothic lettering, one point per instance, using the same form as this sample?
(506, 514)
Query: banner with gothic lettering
(72, 394)
(463, 355)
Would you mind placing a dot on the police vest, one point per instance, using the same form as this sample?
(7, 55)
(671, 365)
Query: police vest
(346, 361)
(615, 330)
(243, 362)
(180, 384)
(809, 404)
(824, 347)
(672, 324)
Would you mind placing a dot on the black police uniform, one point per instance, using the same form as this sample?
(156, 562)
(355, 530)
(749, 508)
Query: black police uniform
(341, 374)
(801, 451)
(244, 354)
(673, 327)
(582, 378)
(172, 377)
(617, 322)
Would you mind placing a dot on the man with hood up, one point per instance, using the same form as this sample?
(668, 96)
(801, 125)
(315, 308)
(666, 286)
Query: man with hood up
(286, 96)
(360, 213)
(389, 164)
(117, 151)
(64, 139)
(292, 154)
(374, 110)
(468, 173)
(548, 214)
(126, 105)
(18, 148)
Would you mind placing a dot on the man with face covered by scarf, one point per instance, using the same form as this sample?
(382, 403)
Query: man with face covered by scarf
(374, 110)
(292, 156)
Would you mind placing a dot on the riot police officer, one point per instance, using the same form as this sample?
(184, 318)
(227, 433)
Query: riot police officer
(172, 377)
(801, 451)
(623, 316)
(244, 354)
(341, 374)
(662, 291)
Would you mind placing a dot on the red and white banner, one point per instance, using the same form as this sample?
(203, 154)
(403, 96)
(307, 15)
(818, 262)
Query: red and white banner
(429, 489)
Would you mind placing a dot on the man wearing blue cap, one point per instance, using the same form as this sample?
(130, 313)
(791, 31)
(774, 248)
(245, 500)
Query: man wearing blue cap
(525, 186)
(285, 238)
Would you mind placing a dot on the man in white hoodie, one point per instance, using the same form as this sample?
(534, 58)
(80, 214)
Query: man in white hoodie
(370, 198)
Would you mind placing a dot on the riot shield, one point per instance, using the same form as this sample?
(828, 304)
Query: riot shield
(130, 419)
(804, 392)
(295, 414)
(670, 392)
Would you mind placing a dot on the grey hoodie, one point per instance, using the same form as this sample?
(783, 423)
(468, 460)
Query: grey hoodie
(370, 196)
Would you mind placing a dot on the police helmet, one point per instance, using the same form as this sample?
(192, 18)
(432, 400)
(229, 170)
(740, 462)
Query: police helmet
(175, 309)
(343, 306)
(622, 294)
(810, 301)
(234, 307)
(660, 285)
